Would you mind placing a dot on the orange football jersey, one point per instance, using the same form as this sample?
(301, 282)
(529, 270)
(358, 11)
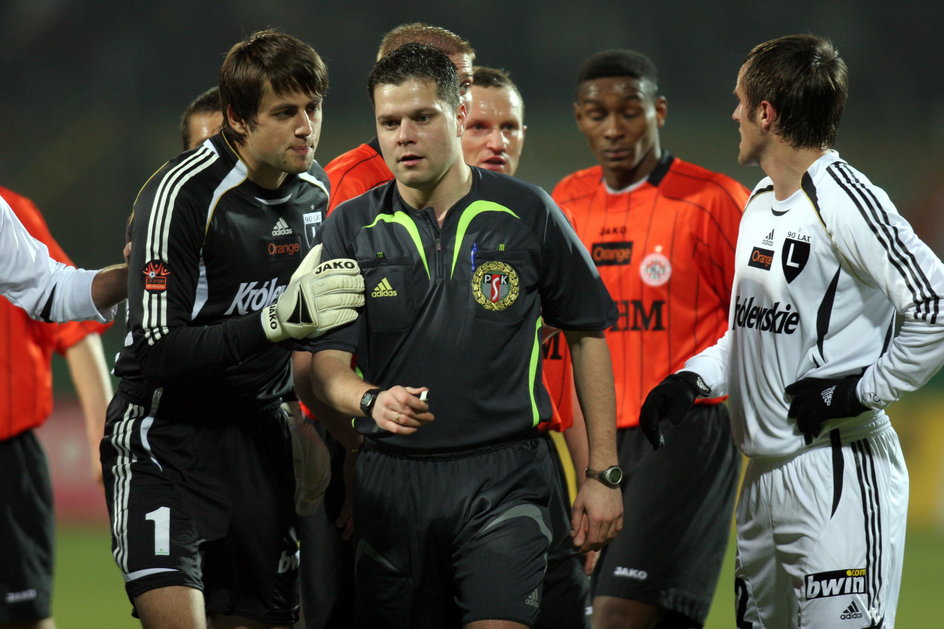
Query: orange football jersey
(665, 250)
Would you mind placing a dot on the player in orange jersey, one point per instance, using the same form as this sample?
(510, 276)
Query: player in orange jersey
(661, 232)
(26, 347)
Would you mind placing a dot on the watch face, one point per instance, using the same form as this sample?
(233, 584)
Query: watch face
(613, 475)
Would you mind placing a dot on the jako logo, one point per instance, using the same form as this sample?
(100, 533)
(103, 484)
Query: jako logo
(611, 253)
(251, 297)
(835, 583)
(767, 319)
(631, 573)
(288, 562)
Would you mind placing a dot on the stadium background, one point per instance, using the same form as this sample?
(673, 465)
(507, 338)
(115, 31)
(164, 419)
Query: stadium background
(93, 90)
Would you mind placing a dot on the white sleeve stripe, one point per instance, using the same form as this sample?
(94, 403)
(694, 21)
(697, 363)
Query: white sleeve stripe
(154, 306)
(900, 257)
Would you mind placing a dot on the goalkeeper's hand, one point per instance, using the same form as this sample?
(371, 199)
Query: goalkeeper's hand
(817, 399)
(319, 297)
(670, 399)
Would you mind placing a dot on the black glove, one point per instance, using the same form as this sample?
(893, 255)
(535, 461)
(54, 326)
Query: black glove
(817, 399)
(670, 399)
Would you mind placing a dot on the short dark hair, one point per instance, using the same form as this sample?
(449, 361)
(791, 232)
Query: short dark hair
(420, 33)
(206, 103)
(420, 62)
(267, 58)
(805, 80)
(483, 76)
(618, 62)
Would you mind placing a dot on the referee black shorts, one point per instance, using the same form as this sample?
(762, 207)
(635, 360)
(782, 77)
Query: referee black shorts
(26, 530)
(445, 540)
(203, 500)
(677, 510)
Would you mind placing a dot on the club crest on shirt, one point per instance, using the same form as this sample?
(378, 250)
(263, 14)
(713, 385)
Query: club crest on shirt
(495, 285)
(655, 269)
(313, 221)
(156, 274)
(793, 257)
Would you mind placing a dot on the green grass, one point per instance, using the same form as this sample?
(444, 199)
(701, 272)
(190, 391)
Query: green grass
(89, 593)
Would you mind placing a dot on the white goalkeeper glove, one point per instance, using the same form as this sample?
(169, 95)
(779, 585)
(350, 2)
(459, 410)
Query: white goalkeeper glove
(319, 297)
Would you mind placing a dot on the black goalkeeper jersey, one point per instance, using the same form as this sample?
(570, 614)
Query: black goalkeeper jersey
(209, 250)
(459, 309)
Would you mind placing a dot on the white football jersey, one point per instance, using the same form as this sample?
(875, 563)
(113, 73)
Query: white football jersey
(32, 280)
(819, 278)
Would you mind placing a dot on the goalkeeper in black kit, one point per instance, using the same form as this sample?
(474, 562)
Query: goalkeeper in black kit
(197, 456)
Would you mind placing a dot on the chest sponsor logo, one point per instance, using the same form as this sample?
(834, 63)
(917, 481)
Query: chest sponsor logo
(793, 258)
(383, 289)
(495, 285)
(778, 318)
(630, 573)
(156, 276)
(835, 583)
(635, 316)
(761, 258)
(284, 247)
(611, 253)
(254, 296)
(655, 269)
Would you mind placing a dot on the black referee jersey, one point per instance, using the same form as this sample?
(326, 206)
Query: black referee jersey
(459, 309)
(210, 249)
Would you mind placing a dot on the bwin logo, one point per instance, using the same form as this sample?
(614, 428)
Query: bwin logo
(631, 573)
(288, 562)
(851, 613)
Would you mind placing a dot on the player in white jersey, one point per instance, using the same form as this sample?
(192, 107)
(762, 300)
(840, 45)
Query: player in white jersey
(810, 360)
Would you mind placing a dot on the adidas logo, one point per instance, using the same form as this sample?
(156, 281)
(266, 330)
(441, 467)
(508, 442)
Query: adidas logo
(851, 613)
(769, 238)
(828, 395)
(281, 228)
(383, 289)
(533, 599)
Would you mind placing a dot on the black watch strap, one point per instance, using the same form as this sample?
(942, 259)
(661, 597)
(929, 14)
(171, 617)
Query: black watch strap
(368, 400)
(611, 476)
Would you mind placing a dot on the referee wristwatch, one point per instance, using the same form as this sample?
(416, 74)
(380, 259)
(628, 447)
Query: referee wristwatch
(611, 476)
(368, 400)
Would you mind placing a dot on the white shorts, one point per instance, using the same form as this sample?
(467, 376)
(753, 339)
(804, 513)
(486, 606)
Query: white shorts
(820, 537)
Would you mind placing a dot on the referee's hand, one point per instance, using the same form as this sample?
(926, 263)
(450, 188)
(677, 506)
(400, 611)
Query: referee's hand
(597, 516)
(400, 410)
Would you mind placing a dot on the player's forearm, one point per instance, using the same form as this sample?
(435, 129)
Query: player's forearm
(576, 439)
(593, 379)
(336, 384)
(86, 360)
(110, 286)
(337, 423)
(915, 355)
(186, 353)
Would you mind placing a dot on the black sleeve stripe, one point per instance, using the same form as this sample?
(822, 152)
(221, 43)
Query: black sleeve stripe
(46, 313)
(154, 316)
(902, 259)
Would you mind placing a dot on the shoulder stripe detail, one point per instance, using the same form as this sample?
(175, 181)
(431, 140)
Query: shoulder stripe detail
(769, 188)
(875, 216)
(313, 181)
(154, 310)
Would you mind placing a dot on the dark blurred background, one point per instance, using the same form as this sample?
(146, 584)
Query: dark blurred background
(92, 90)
